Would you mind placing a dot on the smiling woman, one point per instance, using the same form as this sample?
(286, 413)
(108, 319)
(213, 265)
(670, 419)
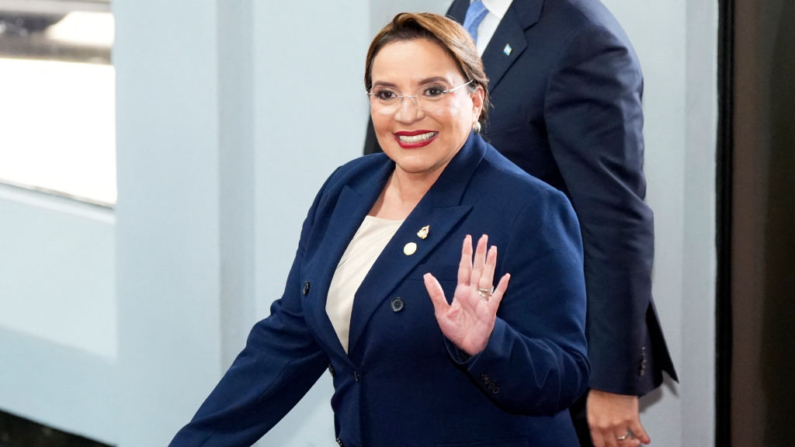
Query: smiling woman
(431, 59)
(439, 110)
(390, 291)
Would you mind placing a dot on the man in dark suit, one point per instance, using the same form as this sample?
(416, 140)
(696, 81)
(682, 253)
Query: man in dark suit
(566, 87)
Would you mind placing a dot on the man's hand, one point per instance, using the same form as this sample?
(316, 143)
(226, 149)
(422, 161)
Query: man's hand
(614, 420)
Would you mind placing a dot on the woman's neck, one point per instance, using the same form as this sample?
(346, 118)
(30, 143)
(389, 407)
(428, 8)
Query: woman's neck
(403, 191)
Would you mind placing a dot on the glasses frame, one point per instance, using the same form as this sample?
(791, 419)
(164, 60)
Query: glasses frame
(416, 97)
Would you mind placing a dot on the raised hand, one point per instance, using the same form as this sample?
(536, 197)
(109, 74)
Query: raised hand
(469, 319)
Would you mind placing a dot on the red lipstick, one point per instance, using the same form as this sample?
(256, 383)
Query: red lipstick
(415, 143)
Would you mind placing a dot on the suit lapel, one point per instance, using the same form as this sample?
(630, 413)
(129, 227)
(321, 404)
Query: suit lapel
(393, 265)
(508, 41)
(507, 44)
(352, 206)
(442, 211)
(458, 10)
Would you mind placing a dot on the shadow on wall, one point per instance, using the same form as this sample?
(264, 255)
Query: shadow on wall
(656, 395)
(778, 336)
(18, 432)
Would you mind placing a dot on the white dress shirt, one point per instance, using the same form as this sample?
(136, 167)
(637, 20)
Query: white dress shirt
(487, 28)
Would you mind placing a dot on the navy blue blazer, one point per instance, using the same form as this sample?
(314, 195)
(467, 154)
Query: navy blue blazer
(566, 87)
(402, 383)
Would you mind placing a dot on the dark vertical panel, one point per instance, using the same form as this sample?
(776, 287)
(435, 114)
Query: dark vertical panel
(749, 182)
(724, 223)
(778, 318)
(762, 401)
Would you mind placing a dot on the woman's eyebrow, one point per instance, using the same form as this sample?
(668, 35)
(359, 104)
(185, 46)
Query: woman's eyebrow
(421, 82)
(434, 79)
(384, 84)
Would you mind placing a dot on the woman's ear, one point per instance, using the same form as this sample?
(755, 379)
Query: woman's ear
(477, 101)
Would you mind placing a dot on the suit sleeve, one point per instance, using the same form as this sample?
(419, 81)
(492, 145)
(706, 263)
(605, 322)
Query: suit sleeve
(370, 141)
(535, 362)
(280, 363)
(595, 126)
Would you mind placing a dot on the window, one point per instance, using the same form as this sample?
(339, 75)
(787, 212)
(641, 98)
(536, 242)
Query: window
(57, 98)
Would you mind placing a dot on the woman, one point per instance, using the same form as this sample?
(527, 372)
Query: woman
(424, 352)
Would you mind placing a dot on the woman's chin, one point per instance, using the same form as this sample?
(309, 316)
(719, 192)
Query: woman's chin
(410, 168)
(417, 168)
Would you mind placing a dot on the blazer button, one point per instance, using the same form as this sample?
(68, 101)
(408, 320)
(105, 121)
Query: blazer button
(356, 376)
(642, 371)
(495, 390)
(306, 288)
(397, 304)
(331, 370)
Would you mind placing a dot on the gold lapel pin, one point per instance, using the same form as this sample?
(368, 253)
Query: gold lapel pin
(423, 233)
(410, 248)
(507, 50)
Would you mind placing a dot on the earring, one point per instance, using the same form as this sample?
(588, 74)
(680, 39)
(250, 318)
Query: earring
(476, 127)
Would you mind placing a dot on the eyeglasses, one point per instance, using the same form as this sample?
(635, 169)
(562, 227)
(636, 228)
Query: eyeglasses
(387, 100)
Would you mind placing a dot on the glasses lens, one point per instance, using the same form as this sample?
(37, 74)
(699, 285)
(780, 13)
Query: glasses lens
(384, 95)
(430, 98)
(384, 100)
(432, 93)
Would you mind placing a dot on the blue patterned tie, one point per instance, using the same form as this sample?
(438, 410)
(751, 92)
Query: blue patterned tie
(475, 14)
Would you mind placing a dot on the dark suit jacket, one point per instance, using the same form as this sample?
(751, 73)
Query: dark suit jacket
(567, 109)
(402, 383)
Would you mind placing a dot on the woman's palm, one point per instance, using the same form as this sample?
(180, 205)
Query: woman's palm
(469, 319)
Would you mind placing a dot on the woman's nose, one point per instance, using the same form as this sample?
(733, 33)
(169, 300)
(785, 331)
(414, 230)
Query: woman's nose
(409, 110)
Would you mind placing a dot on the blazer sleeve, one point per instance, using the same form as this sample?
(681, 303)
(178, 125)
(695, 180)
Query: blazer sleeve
(280, 363)
(535, 361)
(371, 145)
(595, 126)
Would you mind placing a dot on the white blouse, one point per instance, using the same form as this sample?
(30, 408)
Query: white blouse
(365, 247)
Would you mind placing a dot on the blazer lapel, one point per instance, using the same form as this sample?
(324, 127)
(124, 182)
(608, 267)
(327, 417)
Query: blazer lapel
(442, 211)
(509, 40)
(352, 206)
